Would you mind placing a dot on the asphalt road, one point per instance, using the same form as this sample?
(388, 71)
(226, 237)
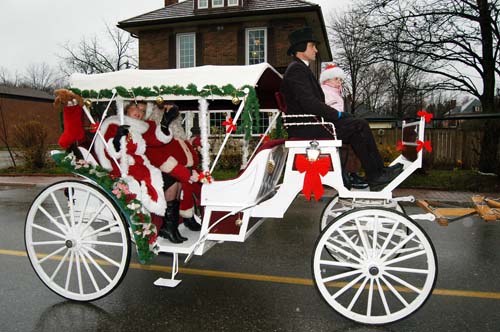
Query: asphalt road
(263, 284)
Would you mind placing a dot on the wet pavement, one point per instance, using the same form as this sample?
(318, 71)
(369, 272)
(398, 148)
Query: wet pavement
(263, 284)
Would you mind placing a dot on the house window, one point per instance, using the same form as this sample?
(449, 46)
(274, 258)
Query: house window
(186, 46)
(202, 4)
(232, 2)
(216, 127)
(256, 50)
(217, 3)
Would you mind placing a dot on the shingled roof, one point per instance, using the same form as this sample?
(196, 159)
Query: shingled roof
(24, 92)
(184, 11)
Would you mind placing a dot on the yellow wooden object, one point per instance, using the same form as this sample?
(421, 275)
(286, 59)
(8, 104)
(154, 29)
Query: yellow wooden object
(483, 209)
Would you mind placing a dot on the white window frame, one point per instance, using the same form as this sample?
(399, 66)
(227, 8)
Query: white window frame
(231, 3)
(178, 53)
(200, 6)
(217, 6)
(247, 41)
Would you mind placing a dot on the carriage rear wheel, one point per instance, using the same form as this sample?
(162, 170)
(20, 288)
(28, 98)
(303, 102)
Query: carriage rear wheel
(386, 277)
(77, 240)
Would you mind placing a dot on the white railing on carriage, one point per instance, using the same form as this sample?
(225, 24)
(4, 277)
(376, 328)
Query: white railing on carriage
(310, 123)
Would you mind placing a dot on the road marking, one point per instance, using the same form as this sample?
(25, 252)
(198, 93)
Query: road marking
(265, 278)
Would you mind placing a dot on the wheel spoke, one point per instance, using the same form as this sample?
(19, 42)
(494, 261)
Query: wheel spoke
(370, 299)
(358, 293)
(104, 243)
(89, 272)
(97, 266)
(56, 271)
(103, 205)
(79, 273)
(346, 253)
(362, 237)
(71, 207)
(97, 231)
(394, 291)
(43, 243)
(53, 220)
(49, 231)
(406, 269)
(341, 276)
(339, 264)
(388, 239)
(351, 244)
(375, 236)
(52, 254)
(61, 213)
(405, 257)
(402, 282)
(399, 246)
(346, 287)
(87, 197)
(382, 297)
(106, 258)
(70, 268)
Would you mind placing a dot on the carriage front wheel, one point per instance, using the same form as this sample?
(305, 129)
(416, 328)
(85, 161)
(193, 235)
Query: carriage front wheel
(77, 240)
(385, 277)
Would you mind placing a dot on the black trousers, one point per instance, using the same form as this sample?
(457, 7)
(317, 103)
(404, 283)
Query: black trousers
(353, 131)
(358, 134)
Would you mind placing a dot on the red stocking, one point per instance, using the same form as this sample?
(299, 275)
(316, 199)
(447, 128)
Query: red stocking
(73, 126)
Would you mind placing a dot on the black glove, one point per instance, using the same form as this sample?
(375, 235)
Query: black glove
(168, 117)
(122, 131)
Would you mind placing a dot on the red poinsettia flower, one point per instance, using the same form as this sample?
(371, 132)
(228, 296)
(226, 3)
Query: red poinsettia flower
(266, 138)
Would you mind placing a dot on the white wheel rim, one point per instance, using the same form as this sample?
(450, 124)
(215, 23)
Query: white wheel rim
(375, 286)
(78, 245)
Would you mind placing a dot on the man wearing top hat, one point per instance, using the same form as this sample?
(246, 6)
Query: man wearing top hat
(303, 95)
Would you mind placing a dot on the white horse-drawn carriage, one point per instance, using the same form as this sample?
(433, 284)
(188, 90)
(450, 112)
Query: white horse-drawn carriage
(371, 263)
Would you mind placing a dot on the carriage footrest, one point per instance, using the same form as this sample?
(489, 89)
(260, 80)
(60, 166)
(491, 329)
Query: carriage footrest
(164, 282)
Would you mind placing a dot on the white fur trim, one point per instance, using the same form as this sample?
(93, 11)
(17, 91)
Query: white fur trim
(328, 74)
(169, 165)
(161, 135)
(186, 213)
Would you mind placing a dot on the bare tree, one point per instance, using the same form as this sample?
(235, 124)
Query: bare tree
(89, 56)
(7, 79)
(39, 76)
(349, 39)
(462, 39)
(373, 87)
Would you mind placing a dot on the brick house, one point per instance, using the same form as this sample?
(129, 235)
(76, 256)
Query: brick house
(20, 105)
(224, 32)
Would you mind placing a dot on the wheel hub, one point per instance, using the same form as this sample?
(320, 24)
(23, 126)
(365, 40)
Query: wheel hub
(69, 244)
(373, 270)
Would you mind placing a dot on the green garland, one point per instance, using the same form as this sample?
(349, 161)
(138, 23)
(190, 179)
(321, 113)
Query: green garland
(250, 117)
(139, 219)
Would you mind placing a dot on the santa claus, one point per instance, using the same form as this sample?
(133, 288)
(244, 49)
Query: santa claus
(180, 161)
(126, 143)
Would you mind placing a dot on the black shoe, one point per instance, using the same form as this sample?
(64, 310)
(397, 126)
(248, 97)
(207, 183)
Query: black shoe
(176, 205)
(357, 182)
(169, 229)
(191, 224)
(388, 174)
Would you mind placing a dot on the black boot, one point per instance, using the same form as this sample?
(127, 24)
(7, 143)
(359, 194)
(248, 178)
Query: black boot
(170, 224)
(192, 224)
(176, 212)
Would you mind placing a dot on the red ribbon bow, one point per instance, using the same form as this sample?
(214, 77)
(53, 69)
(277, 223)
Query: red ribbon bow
(400, 146)
(313, 170)
(230, 125)
(425, 145)
(428, 116)
(205, 175)
(94, 127)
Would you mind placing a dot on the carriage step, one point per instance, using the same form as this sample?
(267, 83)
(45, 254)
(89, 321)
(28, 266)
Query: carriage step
(163, 282)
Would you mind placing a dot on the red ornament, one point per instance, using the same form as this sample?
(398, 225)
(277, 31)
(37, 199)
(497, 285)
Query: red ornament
(400, 146)
(230, 126)
(424, 145)
(266, 138)
(312, 179)
(428, 116)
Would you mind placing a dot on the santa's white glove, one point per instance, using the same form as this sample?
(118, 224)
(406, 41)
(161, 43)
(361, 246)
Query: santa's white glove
(194, 176)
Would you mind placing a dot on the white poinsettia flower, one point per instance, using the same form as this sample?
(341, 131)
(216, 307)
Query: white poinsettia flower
(133, 206)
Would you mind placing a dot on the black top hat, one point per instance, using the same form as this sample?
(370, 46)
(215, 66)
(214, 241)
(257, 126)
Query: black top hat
(300, 36)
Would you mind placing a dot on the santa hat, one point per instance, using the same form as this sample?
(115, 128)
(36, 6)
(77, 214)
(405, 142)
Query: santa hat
(331, 71)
